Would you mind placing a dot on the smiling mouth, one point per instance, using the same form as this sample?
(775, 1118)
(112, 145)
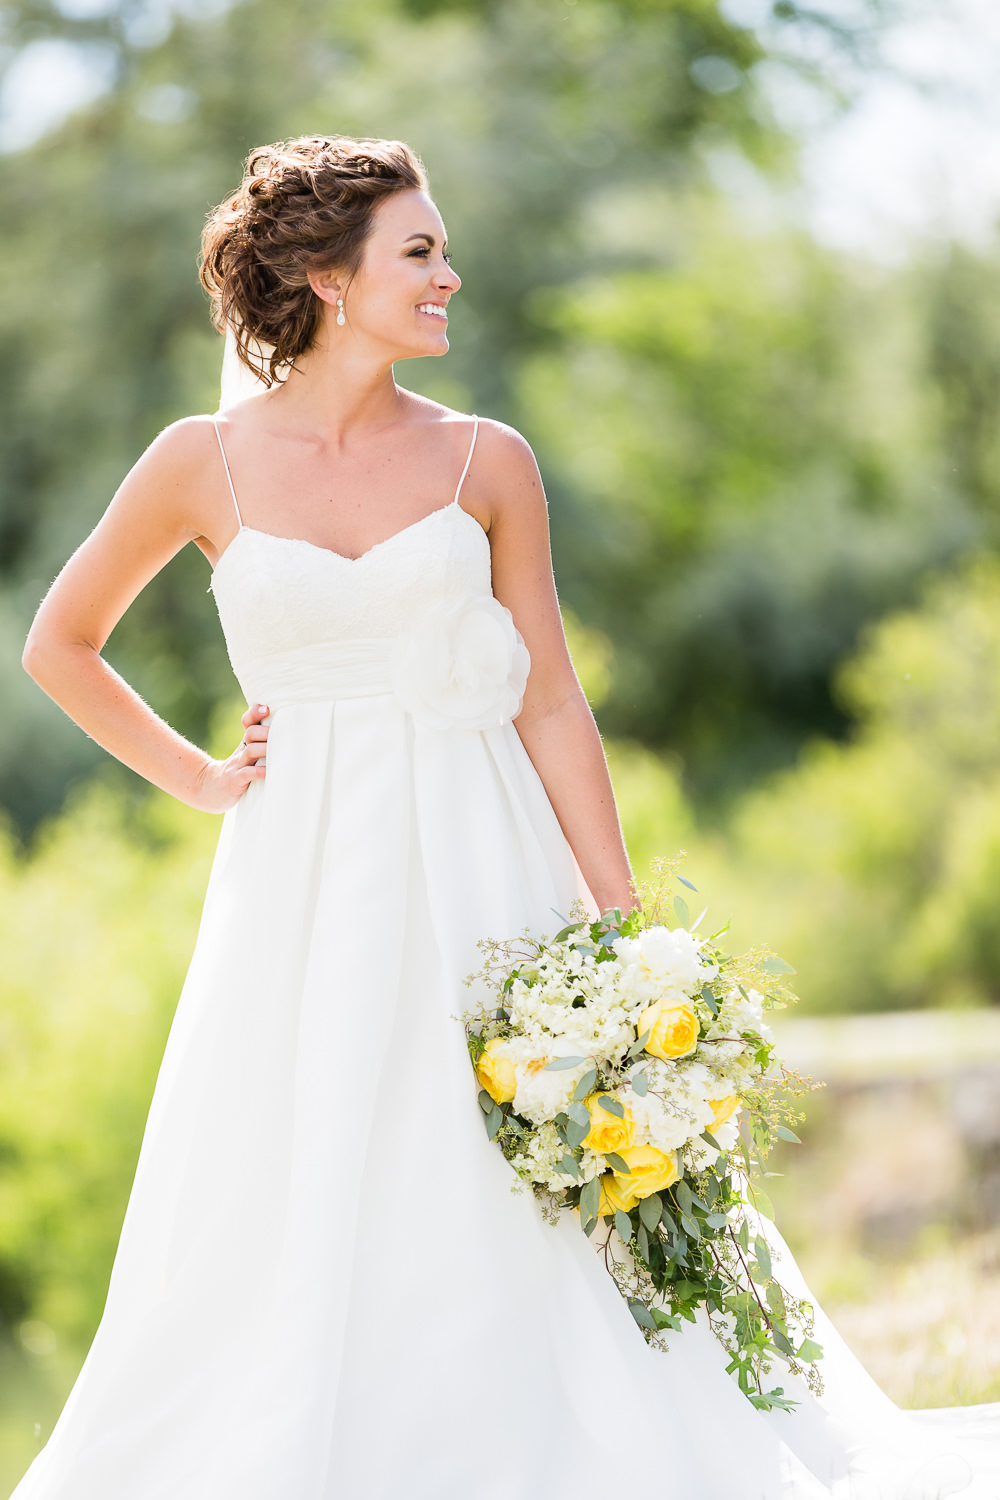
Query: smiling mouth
(432, 310)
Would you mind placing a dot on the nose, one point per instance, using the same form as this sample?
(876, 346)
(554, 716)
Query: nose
(447, 279)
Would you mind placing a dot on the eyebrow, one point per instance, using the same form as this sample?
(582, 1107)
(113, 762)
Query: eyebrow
(421, 236)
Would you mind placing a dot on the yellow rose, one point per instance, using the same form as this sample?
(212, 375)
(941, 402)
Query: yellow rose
(496, 1073)
(607, 1132)
(723, 1108)
(612, 1196)
(673, 1029)
(652, 1171)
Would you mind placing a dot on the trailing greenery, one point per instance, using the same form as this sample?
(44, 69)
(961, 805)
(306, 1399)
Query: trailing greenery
(624, 1066)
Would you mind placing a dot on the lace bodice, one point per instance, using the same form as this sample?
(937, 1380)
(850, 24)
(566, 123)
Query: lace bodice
(275, 594)
(301, 621)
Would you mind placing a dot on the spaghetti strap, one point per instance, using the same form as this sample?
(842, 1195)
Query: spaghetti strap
(475, 433)
(225, 460)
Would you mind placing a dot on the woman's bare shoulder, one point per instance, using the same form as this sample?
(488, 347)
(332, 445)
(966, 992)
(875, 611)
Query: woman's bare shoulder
(182, 447)
(507, 475)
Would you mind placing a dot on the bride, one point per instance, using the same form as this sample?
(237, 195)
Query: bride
(324, 1287)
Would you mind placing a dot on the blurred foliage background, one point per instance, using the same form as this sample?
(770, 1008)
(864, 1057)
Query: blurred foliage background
(774, 477)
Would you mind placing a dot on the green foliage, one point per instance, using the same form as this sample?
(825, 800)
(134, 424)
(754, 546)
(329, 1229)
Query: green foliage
(751, 465)
(97, 924)
(873, 864)
(536, 116)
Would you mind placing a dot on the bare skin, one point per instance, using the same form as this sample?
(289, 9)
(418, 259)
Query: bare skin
(343, 457)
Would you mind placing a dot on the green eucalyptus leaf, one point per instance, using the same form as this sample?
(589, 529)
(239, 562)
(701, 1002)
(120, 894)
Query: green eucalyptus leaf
(493, 1121)
(784, 1134)
(682, 1193)
(760, 1201)
(569, 1165)
(776, 965)
(650, 1210)
(590, 1197)
(612, 1105)
(641, 1313)
(708, 996)
(623, 1224)
(559, 1064)
(642, 1240)
(639, 1043)
(640, 1084)
(486, 1101)
(580, 1113)
(681, 910)
(762, 1251)
(585, 1085)
(618, 1162)
(687, 883)
(576, 1134)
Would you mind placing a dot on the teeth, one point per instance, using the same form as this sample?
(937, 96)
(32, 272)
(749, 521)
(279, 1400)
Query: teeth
(429, 307)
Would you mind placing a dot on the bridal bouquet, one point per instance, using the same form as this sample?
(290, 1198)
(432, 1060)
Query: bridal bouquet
(627, 1073)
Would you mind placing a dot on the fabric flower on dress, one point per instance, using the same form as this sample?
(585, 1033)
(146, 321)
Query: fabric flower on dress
(465, 668)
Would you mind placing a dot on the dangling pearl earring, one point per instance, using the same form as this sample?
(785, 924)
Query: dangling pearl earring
(340, 316)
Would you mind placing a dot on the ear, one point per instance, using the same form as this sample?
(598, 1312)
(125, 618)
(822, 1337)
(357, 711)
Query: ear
(326, 285)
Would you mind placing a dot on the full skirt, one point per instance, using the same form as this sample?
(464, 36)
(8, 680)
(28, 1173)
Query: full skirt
(327, 1286)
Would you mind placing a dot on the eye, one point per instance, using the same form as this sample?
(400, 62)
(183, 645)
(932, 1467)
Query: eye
(425, 250)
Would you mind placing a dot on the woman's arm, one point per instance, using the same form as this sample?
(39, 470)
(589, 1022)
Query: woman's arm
(556, 725)
(164, 502)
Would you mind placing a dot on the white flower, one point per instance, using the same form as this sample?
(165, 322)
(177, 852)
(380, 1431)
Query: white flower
(698, 1154)
(664, 957)
(542, 1094)
(465, 668)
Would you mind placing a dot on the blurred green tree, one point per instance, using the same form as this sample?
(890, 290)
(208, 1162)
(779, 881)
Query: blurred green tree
(871, 866)
(564, 141)
(752, 460)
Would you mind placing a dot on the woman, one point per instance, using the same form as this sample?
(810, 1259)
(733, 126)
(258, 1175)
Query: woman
(324, 1286)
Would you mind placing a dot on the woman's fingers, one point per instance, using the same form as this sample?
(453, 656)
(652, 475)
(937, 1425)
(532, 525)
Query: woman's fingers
(254, 714)
(252, 750)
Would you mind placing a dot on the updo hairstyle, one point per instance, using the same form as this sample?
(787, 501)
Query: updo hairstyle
(304, 205)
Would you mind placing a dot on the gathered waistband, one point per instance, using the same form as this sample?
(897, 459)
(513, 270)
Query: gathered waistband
(323, 670)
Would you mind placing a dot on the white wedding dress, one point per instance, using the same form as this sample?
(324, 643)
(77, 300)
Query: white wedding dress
(325, 1288)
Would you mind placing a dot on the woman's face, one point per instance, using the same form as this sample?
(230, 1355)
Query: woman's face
(397, 301)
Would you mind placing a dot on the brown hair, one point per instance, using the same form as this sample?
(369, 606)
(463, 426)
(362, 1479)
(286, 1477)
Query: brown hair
(303, 206)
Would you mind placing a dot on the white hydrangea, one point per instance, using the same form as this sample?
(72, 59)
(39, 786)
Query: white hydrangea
(675, 1108)
(569, 996)
(738, 1015)
(699, 1154)
(542, 1094)
(664, 957)
(540, 1157)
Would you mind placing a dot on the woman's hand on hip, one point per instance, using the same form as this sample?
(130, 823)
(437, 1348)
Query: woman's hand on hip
(224, 782)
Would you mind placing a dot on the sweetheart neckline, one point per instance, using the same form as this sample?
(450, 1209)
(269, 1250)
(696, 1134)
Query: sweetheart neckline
(296, 541)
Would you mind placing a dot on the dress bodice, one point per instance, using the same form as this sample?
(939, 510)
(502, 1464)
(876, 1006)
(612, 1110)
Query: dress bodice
(415, 615)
